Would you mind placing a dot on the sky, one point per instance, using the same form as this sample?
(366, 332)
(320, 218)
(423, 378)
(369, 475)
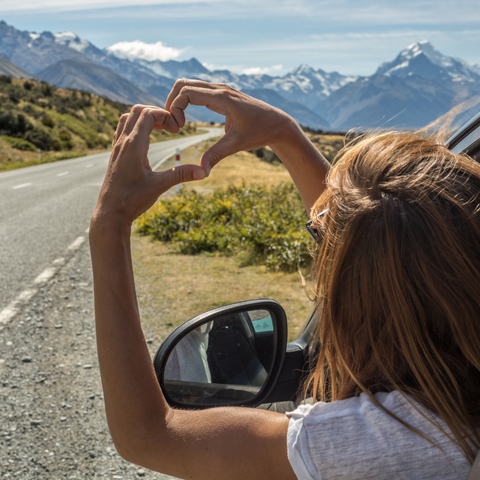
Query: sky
(352, 37)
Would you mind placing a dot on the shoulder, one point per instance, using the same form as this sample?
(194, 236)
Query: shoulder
(357, 438)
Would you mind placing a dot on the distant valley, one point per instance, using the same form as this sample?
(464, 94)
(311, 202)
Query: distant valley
(410, 91)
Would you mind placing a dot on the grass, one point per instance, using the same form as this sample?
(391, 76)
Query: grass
(27, 159)
(172, 288)
(243, 167)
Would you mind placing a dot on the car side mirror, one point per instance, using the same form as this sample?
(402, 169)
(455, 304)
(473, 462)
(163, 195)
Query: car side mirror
(228, 356)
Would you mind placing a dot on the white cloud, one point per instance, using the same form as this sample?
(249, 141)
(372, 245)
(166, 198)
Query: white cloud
(262, 70)
(144, 51)
(69, 5)
(212, 67)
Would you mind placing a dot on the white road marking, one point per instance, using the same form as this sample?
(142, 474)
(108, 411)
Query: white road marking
(26, 295)
(14, 307)
(76, 244)
(87, 230)
(8, 313)
(62, 174)
(23, 185)
(46, 275)
(90, 165)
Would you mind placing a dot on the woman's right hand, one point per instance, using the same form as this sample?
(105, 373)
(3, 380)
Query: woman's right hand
(249, 123)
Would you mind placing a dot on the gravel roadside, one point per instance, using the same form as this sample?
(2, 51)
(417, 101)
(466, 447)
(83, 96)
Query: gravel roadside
(51, 404)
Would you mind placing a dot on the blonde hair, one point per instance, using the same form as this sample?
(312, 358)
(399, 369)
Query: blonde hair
(399, 279)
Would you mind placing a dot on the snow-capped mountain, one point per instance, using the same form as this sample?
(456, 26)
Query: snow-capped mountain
(71, 40)
(32, 51)
(424, 60)
(410, 91)
(302, 84)
(306, 85)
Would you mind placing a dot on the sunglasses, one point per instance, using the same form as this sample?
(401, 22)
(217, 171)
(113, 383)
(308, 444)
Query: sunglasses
(314, 233)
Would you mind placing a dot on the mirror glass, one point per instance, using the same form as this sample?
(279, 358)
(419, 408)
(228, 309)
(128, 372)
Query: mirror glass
(224, 360)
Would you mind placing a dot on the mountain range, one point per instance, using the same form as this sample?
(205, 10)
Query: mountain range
(410, 91)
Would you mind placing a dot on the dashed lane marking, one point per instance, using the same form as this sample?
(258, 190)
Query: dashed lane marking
(13, 307)
(76, 244)
(46, 275)
(62, 174)
(23, 185)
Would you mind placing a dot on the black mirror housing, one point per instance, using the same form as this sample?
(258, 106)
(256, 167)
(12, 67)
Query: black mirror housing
(228, 356)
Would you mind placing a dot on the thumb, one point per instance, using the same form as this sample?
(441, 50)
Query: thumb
(223, 148)
(184, 173)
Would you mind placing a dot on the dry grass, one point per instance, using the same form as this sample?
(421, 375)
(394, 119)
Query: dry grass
(8, 154)
(329, 145)
(243, 167)
(172, 288)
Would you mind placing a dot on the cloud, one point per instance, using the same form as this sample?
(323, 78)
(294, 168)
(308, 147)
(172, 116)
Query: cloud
(144, 51)
(262, 70)
(73, 5)
(212, 66)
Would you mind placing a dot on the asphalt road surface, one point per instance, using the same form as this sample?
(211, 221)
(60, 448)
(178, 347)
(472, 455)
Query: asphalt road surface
(44, 209)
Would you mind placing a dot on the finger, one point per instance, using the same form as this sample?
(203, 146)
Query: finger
(121, 125)
(149, 117)
(223, 148)
(213, 99)
(185, 82)
(133, 116)
(184, 173)
(158, 118)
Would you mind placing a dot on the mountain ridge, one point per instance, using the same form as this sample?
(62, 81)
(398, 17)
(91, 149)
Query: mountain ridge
(414, 88)
(9, 68)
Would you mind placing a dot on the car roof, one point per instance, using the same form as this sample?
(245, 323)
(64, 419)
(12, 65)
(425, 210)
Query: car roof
(467, 139)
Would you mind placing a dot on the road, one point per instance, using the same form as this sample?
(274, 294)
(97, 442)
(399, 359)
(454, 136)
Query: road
(44, 208)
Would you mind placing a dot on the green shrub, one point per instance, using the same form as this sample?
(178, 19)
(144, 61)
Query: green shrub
(46, 89)
(266, 155)
(47, 120)
(268, 224)
(13, 124)
(42, 138)
(19, 143)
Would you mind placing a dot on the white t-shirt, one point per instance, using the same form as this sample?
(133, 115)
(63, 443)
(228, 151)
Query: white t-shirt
(355, 439)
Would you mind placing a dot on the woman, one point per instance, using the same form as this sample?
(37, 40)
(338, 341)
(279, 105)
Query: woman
(399, 271)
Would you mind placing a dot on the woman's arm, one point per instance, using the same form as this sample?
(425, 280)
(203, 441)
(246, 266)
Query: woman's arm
(226, 443)
(249, 124)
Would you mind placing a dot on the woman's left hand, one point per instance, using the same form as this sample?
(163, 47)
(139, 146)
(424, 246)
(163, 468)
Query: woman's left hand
(230, 443)
(130, 186)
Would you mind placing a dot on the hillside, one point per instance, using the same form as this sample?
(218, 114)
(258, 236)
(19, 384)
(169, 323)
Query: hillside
(96, 79)
(12, 70)
(62, 122)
